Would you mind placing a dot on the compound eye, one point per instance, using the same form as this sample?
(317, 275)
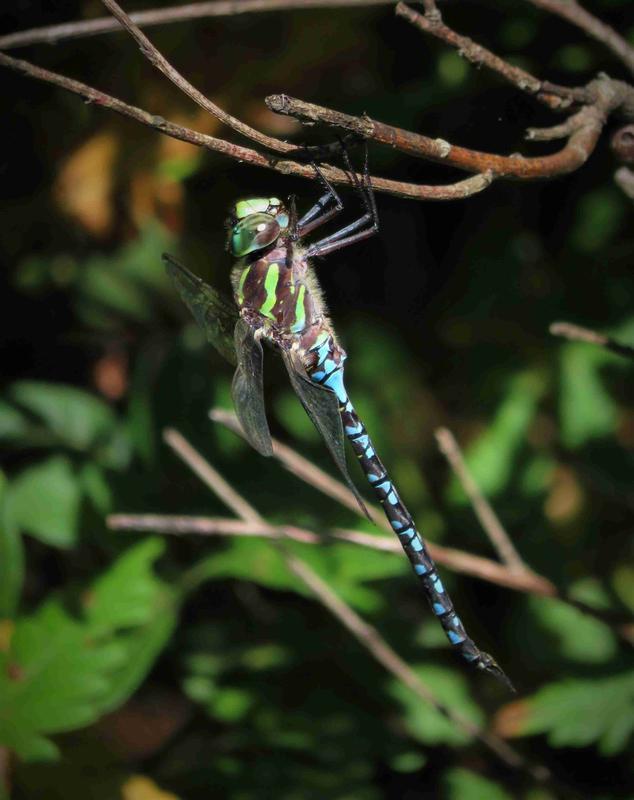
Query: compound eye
(255, 232)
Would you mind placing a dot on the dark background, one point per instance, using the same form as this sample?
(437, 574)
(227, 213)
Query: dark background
(445, 318)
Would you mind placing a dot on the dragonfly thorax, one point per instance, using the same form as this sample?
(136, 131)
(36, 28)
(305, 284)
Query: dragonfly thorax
(255, 224)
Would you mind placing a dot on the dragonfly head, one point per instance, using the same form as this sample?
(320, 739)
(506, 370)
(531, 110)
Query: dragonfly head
(255, 224)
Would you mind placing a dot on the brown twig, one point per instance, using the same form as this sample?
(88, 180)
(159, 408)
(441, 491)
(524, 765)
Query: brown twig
(456, 560)
(159, 61)
(51, 34)
(571, 11)
(524, 580)
(454, 191)
(305, 470)
(366, 634)
(431, 22)
(576, 333)
(489, 520)
(608, 96)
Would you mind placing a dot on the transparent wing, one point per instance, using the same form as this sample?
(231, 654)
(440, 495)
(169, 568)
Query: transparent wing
(322, 407)
(246, 389)
(215, 313)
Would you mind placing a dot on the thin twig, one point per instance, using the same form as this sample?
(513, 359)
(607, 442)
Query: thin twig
(456, 560)
(366, 634)
(305, 470)
(571, 11)
(210, 477)
(608, 95)
(431, 22)
(454, 191)
(51, 34)
(576, 333)
(525, 580)
(158, 60)
(489, 520)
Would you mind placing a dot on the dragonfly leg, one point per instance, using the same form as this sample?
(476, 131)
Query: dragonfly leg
(317, 215)
(346, 235)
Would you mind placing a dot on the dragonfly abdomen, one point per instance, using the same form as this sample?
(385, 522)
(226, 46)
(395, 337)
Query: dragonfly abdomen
(328, 371)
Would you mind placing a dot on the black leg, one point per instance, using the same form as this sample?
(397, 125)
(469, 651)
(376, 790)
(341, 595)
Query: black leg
(322, 249)
(317, 215)
(347, 236)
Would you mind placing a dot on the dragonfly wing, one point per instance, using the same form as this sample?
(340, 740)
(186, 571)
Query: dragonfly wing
(322, 407)
(215, 313)
(247, 391)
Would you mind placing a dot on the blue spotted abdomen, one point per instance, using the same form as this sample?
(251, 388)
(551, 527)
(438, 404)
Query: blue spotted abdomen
(324, 361)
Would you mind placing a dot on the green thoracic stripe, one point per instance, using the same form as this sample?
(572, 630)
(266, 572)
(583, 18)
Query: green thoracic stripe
(243, 277)
(270, 287)
(300, 313)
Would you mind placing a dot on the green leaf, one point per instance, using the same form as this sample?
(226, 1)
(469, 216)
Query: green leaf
(462, 784)
(490, 458)
(13, 424)
(11, 558)
(580, 637)
(95, 486)
(44, 501)
(77, 418)
(423, 721)
(578, 713)
(587, 410)
(125, 596)
(141, 647)
(51, 680)
(61, 673)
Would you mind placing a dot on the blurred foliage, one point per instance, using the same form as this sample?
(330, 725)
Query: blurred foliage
(151, 669)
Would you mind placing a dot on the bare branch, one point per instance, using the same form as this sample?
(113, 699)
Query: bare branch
(366, 634)
(492, 526)
(455, 560)
(608, 95)
(524, 580)
(369, 637)
(556, 97)
(51, 34)
(159, 61)
(576, 333)
(454, 191)
(306, 471)
(577, 15)
(210, 477)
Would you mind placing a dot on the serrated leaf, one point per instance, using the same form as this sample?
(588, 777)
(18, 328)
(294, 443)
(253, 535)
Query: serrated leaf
(578, 713)
(587, 411)
(462, 784)
(125, 596)
(141, 648)
(59, 673)
(77, 418)
(51, 679)
(44, 500)
(579, 636)
(423, 721)
(490, 458)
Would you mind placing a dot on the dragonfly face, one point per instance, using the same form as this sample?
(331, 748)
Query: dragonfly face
(255, 224)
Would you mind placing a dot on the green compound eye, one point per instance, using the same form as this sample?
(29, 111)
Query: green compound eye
(252, 233)
(256, 205)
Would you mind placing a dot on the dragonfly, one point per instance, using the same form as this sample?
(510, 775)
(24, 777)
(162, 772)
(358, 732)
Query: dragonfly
(277, 300)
